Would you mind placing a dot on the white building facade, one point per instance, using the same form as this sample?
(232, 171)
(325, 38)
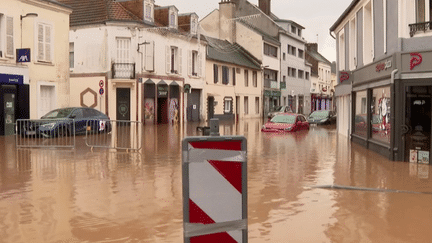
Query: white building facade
(136, 65)
(295, 71)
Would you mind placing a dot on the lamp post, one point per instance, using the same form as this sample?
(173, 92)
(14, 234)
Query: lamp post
(25, 16)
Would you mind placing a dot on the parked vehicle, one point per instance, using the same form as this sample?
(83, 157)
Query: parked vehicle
(65, 122)
(324, 117)
(279, 110)
(287, 122)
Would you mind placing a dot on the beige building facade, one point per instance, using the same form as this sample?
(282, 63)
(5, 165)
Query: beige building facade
(34, 64)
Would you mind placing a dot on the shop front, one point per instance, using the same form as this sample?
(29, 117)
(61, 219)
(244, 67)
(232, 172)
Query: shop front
(14, 102)
(372, 106)
(271, 100)
(414, 97)
(391, 107)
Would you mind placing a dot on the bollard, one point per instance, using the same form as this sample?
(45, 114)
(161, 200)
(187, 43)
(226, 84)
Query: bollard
(214, 127)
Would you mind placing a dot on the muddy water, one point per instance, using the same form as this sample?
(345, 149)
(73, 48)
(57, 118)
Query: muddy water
(51, 195)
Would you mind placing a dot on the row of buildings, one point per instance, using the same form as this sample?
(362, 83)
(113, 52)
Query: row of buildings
(384, 70)
(135, 60)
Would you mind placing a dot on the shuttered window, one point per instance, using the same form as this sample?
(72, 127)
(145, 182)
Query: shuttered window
(225, 75)
(9, 37)
(123, 50)
(215, 73)
(149, 56)
(45, 46)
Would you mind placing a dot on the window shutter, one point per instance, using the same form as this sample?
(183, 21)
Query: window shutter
(215, 73)
(40, 55)
(9, 37)
(199, 64)
(180, 67)
(48, 43)
(189, 63)
(149, 56)
(168, 59)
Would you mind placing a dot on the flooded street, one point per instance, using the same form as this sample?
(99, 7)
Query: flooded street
(63, 195)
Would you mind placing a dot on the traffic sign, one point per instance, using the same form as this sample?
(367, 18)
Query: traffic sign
(215, 189)
(101, 83)
(101, 91)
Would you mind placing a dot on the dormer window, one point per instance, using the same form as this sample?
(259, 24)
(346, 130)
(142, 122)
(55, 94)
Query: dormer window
(149, 10)
(194, 26)
(172, 21)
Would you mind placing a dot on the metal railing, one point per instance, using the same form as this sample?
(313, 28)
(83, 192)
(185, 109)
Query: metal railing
(123, 70)
(424, 26)
(126, 135)
(45, 133)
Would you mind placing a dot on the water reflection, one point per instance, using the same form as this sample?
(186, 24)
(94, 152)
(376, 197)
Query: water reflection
(50, 195)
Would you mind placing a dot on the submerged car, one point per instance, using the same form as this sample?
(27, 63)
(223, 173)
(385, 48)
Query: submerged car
(279, 110)
(324, 117)
(287, 122)
(65, 122)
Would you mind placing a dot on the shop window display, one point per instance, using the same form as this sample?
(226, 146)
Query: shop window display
(360, 119)
(380, 114)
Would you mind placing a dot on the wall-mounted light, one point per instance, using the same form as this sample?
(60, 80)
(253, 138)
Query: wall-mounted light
(29, 15)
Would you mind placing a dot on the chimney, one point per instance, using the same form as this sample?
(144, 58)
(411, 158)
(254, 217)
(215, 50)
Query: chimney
(264, 5)
(312, 46)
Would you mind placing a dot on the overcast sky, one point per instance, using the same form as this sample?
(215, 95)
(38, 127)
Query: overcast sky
(317, 16)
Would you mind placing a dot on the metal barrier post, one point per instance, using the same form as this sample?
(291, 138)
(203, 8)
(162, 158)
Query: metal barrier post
(214, 127)
(214, 177)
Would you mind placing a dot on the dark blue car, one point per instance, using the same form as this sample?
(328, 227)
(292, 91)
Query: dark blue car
(65, 122)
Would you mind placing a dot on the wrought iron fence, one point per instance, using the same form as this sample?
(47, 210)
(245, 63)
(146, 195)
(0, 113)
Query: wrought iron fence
(123, 70)
(425, 26)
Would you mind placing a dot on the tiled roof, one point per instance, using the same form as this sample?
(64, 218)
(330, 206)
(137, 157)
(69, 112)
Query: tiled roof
(97, 11)
(224, 51)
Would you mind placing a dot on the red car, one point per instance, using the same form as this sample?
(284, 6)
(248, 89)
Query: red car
(287, 122)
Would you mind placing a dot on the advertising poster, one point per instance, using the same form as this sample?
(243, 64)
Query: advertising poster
(423, 157)
(413, 156)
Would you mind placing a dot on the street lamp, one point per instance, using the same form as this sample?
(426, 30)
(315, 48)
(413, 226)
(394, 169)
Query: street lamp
(25, 16)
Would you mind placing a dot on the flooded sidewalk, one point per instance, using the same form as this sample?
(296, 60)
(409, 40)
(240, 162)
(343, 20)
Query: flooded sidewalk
(80, 195)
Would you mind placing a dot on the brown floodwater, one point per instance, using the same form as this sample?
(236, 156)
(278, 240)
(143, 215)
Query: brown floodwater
(80, 195)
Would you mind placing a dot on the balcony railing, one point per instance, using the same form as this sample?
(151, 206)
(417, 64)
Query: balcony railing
(273, 84)
(123, 70)
(425, 26)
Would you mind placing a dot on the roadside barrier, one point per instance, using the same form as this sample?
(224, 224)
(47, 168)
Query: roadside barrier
(45, 133)
(214, 178)
(114, 134)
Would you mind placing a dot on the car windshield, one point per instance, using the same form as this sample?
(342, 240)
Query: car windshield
(283, 119)
(59, 113)
(278, 108)
(319, 114)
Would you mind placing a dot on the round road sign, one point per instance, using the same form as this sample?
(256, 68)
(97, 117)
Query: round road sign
(101, 91)
(101, 84)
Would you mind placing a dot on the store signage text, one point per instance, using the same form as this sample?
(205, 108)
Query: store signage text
(383, 66)
(344, 76)
(416, 60)
(11, 79)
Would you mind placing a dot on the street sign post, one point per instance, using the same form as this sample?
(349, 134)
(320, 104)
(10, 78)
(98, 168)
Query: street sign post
(214, 171)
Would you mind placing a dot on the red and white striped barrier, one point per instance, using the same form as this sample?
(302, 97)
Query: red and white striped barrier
(215, 189)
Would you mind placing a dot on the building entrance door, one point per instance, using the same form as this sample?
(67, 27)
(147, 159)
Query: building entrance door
(417, 124)
(123, 104)
(9, 116)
